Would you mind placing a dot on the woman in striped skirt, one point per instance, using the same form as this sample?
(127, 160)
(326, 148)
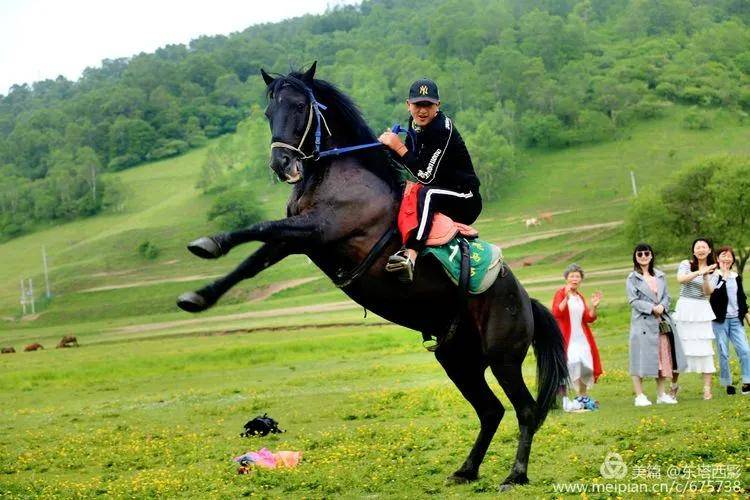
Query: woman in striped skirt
(694, 314)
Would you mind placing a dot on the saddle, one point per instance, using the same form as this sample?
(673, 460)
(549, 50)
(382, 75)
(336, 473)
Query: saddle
(443, 230)
(471, 263)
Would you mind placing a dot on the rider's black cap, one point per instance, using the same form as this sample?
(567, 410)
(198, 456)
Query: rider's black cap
(424, 90)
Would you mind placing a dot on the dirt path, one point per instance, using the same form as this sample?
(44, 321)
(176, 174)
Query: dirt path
(315, 308)
(254, 329)
(134, 284)
(266, 291)
(543, 235)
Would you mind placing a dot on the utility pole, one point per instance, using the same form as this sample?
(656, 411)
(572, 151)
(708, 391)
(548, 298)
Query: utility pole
(23, 298)
(31, 296)
(46, 275)
(632, 181)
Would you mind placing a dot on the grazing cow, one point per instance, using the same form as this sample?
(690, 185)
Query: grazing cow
(7, 350)
(33, 347)
(67, 341)
(532, 222)
(546, 216)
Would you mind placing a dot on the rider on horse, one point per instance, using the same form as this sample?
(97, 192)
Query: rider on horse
(437, 156)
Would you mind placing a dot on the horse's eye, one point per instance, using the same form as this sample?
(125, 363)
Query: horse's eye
(300, 106)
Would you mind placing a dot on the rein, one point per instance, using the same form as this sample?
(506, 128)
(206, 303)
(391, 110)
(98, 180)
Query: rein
(345, 278)
(317, 154)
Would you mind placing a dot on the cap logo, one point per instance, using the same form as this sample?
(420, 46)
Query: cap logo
(423, 90)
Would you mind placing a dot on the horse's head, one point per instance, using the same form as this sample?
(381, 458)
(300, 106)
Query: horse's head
(290, 114)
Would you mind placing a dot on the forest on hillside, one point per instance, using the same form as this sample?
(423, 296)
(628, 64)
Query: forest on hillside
(514, 74)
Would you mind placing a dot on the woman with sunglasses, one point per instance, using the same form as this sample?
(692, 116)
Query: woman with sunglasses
(653, 350)
(693, 312)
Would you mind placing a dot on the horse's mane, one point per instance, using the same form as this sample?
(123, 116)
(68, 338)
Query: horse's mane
(346, 122)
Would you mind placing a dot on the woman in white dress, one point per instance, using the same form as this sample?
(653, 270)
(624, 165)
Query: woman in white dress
(573, 315)
(693, 313)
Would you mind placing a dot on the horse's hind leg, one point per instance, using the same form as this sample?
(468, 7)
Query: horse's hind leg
(511, 380)
(465, 367)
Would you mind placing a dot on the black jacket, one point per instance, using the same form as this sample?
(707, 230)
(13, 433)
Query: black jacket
(438, 156)
(720, 300)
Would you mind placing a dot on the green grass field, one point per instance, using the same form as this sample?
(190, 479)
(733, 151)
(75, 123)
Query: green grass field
(371, 411)
(154, 400)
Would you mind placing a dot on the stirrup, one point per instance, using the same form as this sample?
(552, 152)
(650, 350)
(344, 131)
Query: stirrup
(401, 263)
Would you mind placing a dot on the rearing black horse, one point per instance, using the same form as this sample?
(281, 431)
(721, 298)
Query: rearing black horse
(339, 208)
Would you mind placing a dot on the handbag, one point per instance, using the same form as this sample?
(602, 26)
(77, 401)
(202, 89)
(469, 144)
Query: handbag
(665, 327)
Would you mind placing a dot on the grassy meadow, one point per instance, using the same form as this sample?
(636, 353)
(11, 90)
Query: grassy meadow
(153, 401)
(371, 411)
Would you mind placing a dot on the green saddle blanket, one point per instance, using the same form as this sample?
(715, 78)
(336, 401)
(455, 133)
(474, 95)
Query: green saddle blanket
(486, 261)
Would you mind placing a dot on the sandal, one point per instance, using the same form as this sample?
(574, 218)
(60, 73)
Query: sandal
(707, 393)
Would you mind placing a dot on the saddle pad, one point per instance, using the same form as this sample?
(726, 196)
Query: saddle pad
(486, 261)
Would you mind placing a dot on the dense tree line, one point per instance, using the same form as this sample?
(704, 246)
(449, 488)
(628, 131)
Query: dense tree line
(513, 73)
(707, 199)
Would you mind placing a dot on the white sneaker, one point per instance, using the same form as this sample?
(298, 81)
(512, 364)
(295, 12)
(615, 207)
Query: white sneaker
(642, 400)
(571, 404)
(666, 399)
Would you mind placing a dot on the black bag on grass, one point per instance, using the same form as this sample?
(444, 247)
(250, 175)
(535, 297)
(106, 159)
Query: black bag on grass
(261, 426)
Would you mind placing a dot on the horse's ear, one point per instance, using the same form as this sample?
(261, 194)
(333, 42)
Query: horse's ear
(266, 77)
(309, 74)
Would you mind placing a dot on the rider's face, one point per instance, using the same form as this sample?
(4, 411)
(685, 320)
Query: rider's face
(423, 112)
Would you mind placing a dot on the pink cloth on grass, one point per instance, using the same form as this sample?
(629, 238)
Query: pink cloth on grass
(268, 460)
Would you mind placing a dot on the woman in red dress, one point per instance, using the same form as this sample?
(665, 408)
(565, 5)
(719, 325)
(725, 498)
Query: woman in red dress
(573, 315)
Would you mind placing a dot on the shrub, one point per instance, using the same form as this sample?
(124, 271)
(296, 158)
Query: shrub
(235, 209)
(148, 250)
(122, 162)
(168, 149)
(539, 130)
(651, 108)
(667, 90)
(697, 119)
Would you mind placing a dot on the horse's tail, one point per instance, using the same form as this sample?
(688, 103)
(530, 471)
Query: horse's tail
(551, 367)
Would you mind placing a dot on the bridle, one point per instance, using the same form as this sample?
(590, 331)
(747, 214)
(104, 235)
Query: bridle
(315, 108)
(320, 122)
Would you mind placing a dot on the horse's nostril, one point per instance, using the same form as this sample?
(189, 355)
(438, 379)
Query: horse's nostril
(285, 161)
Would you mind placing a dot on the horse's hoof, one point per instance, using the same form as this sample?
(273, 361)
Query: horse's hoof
(205, 248)
(462, 477)
(512, 480)
(192, 302)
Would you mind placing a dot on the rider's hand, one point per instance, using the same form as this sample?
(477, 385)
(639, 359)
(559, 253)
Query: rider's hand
(393, 141)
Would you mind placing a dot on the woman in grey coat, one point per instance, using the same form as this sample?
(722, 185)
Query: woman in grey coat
(654, 350)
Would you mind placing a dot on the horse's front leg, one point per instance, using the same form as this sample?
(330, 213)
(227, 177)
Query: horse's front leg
(303, 230)
(266, 256)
